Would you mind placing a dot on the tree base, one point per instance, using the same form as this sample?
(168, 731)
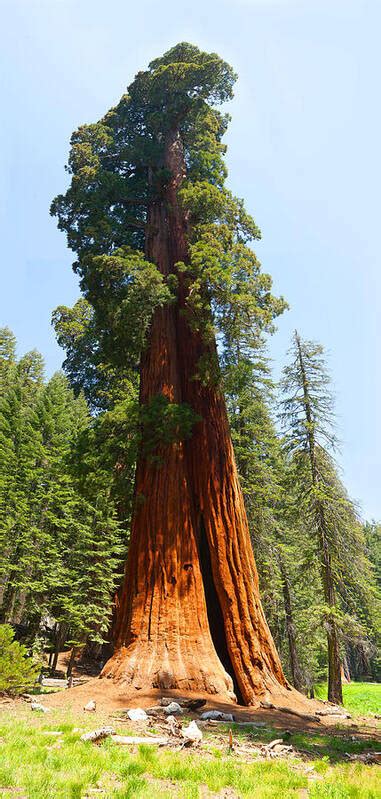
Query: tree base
(142, 667)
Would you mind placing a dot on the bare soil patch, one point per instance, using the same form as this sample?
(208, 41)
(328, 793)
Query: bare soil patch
(111, 697)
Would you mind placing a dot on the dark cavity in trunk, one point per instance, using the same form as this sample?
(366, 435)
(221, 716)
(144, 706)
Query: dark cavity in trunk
(215, 617)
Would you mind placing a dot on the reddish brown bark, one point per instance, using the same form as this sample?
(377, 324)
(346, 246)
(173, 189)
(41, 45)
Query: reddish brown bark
(190, 540)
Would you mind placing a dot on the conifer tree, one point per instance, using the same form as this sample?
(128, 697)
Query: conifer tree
(248, 387)
(80, 536)
(163, 256)
(264, 477)
(329, 515)
(7, 356)
(58, 530)
(21, 447)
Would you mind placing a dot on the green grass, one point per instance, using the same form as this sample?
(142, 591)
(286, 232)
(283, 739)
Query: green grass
(328, 748)
(36, 765)
(360, 698)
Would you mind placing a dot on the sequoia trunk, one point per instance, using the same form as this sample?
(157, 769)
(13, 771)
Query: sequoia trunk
(190, 616)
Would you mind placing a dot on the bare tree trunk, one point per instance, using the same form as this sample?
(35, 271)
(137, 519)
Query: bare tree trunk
(345, 669)
(71, 661)
(296, 672)
(60, 638)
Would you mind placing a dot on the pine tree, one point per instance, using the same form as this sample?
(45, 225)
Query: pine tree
(58, 529)
(328, 513)
(372, 534)
(263, 471)
(80, 538)
(21, 446)
(248, 386)
(7, 357)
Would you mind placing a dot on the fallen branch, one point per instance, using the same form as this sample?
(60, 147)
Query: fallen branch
(334, 711)
(133, 740)
(97, 735)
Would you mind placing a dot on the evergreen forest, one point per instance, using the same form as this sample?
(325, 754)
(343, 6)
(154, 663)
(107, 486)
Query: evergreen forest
(67, 476)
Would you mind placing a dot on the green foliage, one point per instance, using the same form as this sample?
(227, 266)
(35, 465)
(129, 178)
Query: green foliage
(372, 532)
(116, 164)
(61, 543)
(17, 670)
(105, 334)
(347, 598)
(280, 502)
(164, 422)
(118, 175)
(248, 391)
(7, 356)
(360, 698)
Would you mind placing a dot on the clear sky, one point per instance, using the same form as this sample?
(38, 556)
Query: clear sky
(304, 152)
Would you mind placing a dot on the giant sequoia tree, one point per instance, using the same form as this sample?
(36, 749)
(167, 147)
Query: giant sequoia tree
(165, 268)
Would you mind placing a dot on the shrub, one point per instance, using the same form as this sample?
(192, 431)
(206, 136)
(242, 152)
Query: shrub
(17, 669)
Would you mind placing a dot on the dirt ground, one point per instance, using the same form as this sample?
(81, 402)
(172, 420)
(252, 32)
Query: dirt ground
(298, 712)
(111, 698)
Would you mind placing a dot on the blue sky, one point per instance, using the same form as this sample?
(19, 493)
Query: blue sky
(303, 152)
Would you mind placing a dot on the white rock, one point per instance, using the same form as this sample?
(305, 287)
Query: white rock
(216, 715)
(173, 709)
(41, 708)
(91, 706)
(137, 714)
(192, 732)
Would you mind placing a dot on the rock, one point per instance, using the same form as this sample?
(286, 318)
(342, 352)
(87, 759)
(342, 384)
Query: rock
(137, 714)
(173, 709)
(156, 710)
(267, 705)
(91, 706)
(192, 733)
(193, 704)
(216, 715)
(97, 735)
(41, 708)
(165, 701)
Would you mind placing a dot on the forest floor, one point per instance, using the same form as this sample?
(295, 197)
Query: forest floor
(42, 756)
